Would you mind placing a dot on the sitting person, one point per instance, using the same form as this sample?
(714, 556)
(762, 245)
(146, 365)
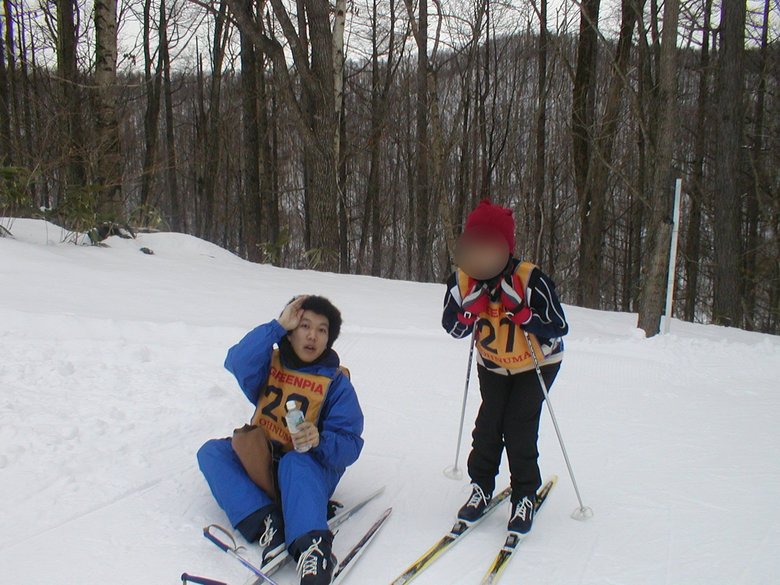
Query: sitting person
(275, 486)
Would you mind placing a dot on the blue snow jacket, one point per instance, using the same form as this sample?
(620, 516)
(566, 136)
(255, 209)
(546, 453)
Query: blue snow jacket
(341, 419)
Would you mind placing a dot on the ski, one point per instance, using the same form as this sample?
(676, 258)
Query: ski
(234, 550)
(338, 576)
(186, 578)
(354, 554)
(279, 560)
(459, 529)
(513, 539)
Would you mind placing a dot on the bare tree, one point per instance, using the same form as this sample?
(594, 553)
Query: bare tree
(5, 99)
(252, 224)
(209, 143)
(540, 162)
(15, 130)
(583, 114)
(653, 284)
(30, 105)
(312, 49)
(693, 239)
(759, 184)
(380, 91)
(178, 215)
(153, 74)
(602, 159)
(72, 144)
(726, 309)
(422, 183)
(109, 157)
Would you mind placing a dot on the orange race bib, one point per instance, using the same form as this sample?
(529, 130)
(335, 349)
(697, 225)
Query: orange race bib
(498, 339)
(502, 342)
(308, 390)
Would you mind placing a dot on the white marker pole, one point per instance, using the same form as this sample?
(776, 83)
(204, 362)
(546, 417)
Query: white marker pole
(672, 256)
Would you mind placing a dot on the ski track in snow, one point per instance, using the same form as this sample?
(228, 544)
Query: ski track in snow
(111, 376)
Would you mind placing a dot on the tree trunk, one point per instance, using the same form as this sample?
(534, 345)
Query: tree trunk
(315, 113)
(5, 101)
(269, 168)
(583, 113)
(340, 136)
(373, 185)
(15, 136)
(212, 143)
(343, 204)
(652, 296)
(726, 308)
(422, 166)
(252, 224)
(483, 80)
(109, 156)
(601, 153)
(27, 125)
(773, 314)
(758, 181)
(693, 233)
(74, 178)
(322, 158)
(541, 128)
(379, 96)
(178, 214)
(153, 83)
(339, 22)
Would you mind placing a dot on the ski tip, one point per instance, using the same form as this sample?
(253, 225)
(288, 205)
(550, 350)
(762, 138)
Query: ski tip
(384, 515)
(185, 578)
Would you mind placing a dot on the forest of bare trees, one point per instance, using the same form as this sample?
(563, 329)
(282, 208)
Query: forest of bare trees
(355, 136)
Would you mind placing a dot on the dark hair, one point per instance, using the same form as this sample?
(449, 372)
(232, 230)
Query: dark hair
(324, 307)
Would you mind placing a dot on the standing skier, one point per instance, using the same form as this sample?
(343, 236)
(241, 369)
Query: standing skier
(500, 298)
(274, 486)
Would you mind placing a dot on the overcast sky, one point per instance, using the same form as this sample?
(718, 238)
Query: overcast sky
(508, 16)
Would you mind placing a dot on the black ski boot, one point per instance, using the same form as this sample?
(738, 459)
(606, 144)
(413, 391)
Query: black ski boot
(272, 538)
(473, 509)
(316, 562)
(266, 528)
(522, 517)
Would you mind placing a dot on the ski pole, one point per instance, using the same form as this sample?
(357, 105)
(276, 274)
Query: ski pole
(453, 472)
(583, 512)
(233, 550)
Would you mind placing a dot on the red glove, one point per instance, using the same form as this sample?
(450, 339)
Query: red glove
(514, 304)
(474, 303)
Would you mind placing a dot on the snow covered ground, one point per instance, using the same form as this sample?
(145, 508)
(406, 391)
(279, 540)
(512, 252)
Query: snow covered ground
(111, 378)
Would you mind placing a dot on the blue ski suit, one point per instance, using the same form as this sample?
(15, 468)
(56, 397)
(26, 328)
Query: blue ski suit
(306, 481)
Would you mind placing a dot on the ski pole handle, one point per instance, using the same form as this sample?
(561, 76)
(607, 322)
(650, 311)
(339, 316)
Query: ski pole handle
(215, 540)
(233, 551)
(201, 580)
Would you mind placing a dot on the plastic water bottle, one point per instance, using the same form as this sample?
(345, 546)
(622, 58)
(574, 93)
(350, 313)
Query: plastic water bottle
(294, 418)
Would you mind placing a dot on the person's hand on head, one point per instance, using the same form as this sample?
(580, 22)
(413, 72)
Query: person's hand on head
(292, 313)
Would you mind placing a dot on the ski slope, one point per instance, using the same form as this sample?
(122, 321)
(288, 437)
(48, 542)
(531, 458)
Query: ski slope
(111, 378)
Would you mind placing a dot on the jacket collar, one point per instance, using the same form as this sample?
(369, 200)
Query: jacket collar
(329, 360)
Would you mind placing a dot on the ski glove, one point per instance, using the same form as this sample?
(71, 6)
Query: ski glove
(514, 304)
(474, 303)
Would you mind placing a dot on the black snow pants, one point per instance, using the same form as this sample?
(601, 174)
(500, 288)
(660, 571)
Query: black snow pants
(509, 417)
